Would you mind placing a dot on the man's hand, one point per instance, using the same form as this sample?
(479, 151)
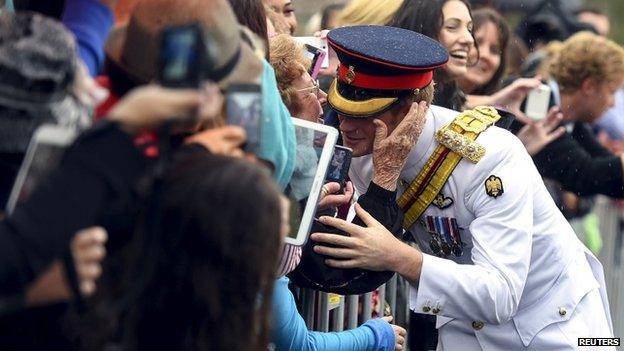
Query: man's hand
(390, 151)
(225, 141)
(330, 198)
(372, 247)
(399, 334)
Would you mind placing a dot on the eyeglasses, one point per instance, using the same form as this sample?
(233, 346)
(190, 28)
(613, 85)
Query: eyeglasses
(313, 89)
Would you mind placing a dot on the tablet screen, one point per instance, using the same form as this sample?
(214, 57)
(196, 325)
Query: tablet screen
(43, 155)
(313, 153)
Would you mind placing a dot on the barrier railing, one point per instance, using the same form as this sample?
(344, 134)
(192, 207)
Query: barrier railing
(331, 312)
(611, 221)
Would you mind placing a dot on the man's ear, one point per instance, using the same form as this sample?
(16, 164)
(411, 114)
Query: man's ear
(589, 86)
(402, 112)
(406, 107)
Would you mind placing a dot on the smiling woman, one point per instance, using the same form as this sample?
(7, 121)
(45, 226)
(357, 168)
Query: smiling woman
(449, 22)
(492, 37)
(285, 9)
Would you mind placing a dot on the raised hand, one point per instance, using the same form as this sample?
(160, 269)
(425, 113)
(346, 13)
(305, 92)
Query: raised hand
(511, 97)
(535, 135)
(149, 107)
(390, 151)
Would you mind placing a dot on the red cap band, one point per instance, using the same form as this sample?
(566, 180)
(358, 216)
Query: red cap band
(403, 82)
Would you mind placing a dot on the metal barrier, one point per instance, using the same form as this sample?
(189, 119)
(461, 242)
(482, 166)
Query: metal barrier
(330, 312)
(611, 221)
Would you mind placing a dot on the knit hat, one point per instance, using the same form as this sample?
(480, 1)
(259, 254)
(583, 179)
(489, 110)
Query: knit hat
(37, 69)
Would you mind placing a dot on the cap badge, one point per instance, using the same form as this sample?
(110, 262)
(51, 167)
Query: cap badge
(350, 76)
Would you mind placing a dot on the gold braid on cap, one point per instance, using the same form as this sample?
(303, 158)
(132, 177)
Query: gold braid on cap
(357, 108)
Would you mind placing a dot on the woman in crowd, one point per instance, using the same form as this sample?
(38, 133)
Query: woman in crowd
(187, 298)
(491, 40)
(299, 91)
(449, 22)
(285, 11)
(483, 80)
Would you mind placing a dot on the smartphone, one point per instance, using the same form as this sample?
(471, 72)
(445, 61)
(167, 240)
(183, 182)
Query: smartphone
(538, 102)
(339, 165)
(183, 56)
(317, 43)
(43, 155)
(316, 56)
(244, 109)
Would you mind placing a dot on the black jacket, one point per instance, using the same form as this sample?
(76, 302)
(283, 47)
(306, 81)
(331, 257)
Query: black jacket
(580, 164)
(95, 182)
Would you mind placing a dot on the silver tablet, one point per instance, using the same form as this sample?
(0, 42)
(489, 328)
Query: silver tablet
(44, 153)
(315, 145)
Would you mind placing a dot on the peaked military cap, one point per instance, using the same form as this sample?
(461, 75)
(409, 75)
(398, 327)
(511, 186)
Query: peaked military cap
(378, 66)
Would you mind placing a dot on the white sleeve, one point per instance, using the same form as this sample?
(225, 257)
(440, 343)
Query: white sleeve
(489, 289)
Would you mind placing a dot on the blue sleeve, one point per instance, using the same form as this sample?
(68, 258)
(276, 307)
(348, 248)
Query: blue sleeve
(90, 21)
(289, 331)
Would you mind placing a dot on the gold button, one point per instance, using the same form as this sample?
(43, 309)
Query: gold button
(426, 309)
(477, 325)
(562, 311)
(435, 310)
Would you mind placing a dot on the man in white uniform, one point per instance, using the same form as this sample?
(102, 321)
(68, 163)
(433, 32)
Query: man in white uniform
(497, 262)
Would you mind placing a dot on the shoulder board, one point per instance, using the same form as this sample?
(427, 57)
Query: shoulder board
(460, 135)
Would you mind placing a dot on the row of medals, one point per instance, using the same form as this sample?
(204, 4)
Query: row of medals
(445, 238)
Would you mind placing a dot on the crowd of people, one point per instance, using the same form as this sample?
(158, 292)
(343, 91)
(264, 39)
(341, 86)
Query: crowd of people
(159, 228)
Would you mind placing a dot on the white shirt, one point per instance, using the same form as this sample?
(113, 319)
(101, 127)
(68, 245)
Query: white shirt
(523, 273)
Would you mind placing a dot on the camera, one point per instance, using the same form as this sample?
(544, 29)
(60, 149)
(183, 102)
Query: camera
(185, 60)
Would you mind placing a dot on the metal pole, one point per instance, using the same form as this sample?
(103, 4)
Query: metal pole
(382, 300)
(367, 307)
(338, 324)
(308, 305)
(324, 312)
(392, 292)
(352, 311)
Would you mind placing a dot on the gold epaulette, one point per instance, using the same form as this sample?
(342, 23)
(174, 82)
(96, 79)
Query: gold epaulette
(457, 141)
(460, 134)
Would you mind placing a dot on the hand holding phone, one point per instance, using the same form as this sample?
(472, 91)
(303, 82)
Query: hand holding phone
(183, 57)
(316, 57)
(334, 195)
(317, 43)
(538, 102)
(244, 109)
(339, 165)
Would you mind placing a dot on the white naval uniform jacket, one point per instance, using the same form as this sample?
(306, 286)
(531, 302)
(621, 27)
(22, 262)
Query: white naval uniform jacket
(524, 280)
